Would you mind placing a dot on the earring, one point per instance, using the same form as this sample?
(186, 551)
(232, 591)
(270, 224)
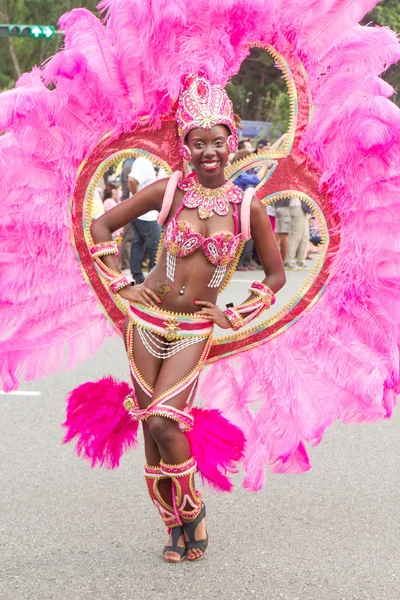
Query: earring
(186, 153)
(232, 143)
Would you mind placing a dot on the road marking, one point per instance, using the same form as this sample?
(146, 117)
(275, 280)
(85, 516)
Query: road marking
(19, 393)
(242, 280)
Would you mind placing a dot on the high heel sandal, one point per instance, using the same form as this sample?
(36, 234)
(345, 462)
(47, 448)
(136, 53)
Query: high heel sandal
(189, 527)
(176, 534)
(168, 514)
(187, 502)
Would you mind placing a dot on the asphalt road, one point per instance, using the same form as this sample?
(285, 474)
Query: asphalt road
(69, 533)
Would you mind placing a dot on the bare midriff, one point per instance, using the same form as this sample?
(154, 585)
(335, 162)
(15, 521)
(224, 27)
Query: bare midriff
(192, 276)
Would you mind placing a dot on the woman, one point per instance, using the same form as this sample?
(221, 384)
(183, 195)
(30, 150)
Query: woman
(171, 316)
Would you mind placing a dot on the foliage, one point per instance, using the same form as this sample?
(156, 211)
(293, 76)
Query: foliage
(258, 91)
(387, 13)
(30, 52)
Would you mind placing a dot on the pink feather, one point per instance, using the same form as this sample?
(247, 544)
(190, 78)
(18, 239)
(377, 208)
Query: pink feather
(98, 421)
(341, 359)
(217, 445)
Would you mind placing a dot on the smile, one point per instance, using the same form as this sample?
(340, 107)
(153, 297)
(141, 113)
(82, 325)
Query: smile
(210, 165)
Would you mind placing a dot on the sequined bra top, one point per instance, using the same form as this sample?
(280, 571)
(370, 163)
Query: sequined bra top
(180, 237)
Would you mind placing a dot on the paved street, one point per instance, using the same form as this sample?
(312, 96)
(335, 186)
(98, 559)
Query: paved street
(69, 533)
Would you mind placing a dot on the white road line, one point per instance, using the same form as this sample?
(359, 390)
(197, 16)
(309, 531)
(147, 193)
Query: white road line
(242, 280)
(19, 393)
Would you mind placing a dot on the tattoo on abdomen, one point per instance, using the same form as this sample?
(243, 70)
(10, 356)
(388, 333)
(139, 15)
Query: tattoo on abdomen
(163, 288)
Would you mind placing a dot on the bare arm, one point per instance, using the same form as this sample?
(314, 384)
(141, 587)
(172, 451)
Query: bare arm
(150, 198)
(267, 248)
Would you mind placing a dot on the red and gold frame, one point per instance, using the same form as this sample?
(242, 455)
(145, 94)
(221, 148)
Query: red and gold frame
(289, 173)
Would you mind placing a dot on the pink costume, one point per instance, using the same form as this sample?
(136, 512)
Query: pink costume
(181, 240)
(334, 354)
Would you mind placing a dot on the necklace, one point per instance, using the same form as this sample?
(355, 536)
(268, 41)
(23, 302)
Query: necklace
(208, 200)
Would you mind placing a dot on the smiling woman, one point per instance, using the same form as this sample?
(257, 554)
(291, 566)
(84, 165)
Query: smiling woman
(330, 353)
(206, 219)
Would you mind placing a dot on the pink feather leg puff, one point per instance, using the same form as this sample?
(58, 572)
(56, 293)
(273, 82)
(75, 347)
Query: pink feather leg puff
(97, 418)
(104, 430)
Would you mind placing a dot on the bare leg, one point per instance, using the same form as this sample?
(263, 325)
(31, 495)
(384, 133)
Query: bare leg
(172, 442)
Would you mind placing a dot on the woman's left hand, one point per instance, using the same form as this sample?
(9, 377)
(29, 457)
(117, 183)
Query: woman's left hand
(213, 313)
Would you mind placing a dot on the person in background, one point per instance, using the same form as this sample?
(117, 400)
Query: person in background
(110, 200)
(146, 230)
(125, 248)
(282, 225)
(246, 145)
(262, 146)
(299, 235)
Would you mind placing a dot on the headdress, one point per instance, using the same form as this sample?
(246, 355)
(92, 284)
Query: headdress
(204, 105)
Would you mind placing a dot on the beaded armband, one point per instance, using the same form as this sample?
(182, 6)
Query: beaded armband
(116, 280)
(103, 249)
(121, 282)
(239, 316)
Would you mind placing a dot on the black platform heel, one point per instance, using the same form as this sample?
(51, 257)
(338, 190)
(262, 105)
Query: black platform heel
(176, 533)
(189, 527)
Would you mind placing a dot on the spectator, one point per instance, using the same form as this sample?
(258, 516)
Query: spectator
(245, 145)
(110, 199)
(146, 230)
(299, 235)
(262, 146)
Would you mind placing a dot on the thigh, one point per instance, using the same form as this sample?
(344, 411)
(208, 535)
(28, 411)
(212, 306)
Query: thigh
(145, 364)
(176, 370)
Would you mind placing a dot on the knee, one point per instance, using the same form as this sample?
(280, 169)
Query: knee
(162, 430)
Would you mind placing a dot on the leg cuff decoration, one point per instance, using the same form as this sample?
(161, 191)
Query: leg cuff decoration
(187, 500)
(153, 476)
(103, 417)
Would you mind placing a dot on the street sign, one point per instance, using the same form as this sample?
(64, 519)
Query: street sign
(35, 31)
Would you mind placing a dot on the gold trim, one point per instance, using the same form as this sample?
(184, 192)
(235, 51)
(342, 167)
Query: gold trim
(247, 331)
(90, 191)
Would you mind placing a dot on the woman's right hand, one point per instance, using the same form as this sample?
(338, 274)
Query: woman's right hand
(140, 293)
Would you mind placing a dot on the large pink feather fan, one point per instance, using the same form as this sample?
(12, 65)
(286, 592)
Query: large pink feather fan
(341, 359)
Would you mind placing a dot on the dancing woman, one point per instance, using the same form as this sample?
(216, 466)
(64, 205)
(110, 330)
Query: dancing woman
(171, 316)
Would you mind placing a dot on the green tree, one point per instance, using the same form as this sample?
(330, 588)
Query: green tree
(387, 13)
(18, 55)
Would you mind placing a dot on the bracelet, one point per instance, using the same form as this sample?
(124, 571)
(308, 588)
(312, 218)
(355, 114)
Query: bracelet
(239, 316)
(235, 318)
(121, 282)
(263, 292)
(103, 249)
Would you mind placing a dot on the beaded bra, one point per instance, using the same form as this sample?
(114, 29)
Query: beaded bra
(181, 240)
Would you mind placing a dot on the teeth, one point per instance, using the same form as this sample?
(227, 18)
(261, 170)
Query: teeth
(210, 164)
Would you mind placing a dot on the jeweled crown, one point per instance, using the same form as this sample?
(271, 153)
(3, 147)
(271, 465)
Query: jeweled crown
(204, 105)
